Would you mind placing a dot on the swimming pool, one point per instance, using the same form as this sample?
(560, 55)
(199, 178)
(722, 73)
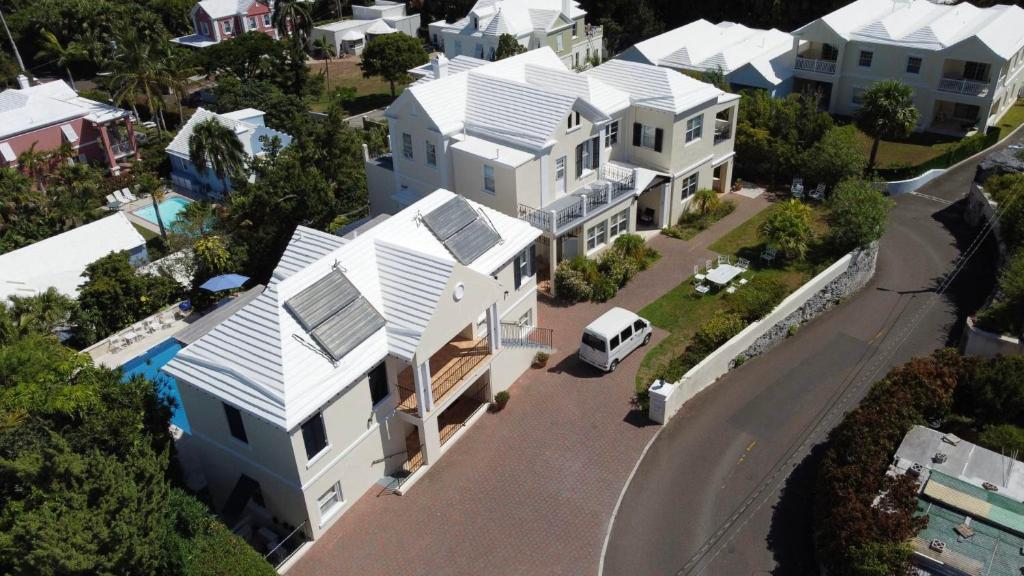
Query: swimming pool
(149, 364)
(169, 210)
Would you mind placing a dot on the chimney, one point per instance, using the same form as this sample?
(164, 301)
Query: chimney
(567, 9)
(439, 66)
(23, 81)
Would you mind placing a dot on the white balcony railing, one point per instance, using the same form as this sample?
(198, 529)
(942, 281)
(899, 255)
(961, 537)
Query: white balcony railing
(967, 87)
(818, 66)
(613, 184)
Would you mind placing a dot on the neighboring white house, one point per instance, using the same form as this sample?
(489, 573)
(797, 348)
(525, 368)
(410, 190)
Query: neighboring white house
(583, 157)
(557, 24)
(749, 58)
(440, 66)
(59, 261)
(351, 36)
(362, 361)
(252, 132)
(963, 62)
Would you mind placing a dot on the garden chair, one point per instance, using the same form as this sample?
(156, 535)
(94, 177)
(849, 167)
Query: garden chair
(120, 197)
(769, 254)
(819, 192)
(723, 260)
(114, 344)
(127, 192)
(702, 288)
(742, 263)
(707, 265)
(696, 273)
(798, 191)
(165, 320)
(743, 281)
(730, 290)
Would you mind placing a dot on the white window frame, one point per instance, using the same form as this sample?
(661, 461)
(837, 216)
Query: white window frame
(920, 64)
(611, 134)
(689, 184)
(431, 154)
(489, 182)
(266, 20)
(648, 136)
(694, 128)
(870, 58)
(597, 235)
(618, 223)
(575, 28)
(407, 146)
(227, 26)
(204, 29)
(559, 43)
(333, 499)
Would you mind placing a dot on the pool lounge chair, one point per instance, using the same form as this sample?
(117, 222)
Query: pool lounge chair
(119, 195)
(127, 193)
(112, 202)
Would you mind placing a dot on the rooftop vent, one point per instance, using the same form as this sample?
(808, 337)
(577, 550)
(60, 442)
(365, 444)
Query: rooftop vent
(939, 458)
(937, 546)
(990, 486)
(964, 530)
(951, 439)
(915, 470)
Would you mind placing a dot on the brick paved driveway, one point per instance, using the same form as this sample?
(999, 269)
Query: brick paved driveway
(529, 490)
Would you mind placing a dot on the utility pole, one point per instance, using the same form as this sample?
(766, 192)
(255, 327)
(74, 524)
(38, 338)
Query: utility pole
(14, 46)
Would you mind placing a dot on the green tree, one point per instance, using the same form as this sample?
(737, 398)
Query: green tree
(41, 313)
(857, 214)
(150, 184)
(285, 112)
(508, 45)
(716, 78)
(788, 227)
(391, 56)
(292, 20)
(215, 147)
(705, 202)
(61, 54)
(834, 158)
(36, 164)
(139, 71)
(325, 48)
(992, 392)
(887, 111)
(1003, 438)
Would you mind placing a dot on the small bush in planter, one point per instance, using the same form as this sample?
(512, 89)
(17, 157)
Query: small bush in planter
(500, 399)
(540, 360)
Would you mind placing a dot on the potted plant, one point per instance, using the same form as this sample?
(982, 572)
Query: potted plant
(540, 359)
(500, 399)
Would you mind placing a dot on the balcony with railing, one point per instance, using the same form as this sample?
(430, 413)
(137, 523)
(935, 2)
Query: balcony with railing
(723, 130)
(614, 184)
(526, 336)
(451, 366)
(964, 86)
(122, 149)
(816, 65)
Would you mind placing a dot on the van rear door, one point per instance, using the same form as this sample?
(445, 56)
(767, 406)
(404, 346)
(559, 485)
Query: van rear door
(594, 349)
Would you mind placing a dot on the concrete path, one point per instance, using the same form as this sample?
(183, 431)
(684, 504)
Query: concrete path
(726, 488)
(529, 490)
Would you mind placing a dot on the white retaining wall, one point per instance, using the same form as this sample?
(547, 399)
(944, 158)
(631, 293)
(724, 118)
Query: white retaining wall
(667, 399)
(904, 186)
(978, 342)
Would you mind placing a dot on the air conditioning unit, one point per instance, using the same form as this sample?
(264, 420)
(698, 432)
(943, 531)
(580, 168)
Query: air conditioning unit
(915, 470)
(939, 458)
(937, 545)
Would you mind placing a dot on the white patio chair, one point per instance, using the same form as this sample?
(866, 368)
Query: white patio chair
(119, 194)
(114, 345)
(696, 273)
(165, 320)
(112, 202)
(798, 191)
(702, 288)
(723, 260)
(742, 263)
(730, 290)
(819, 192)
(150, 326)
(128, 194)
(743, 281)
(798, 181)
(707, 265)
(768, 254)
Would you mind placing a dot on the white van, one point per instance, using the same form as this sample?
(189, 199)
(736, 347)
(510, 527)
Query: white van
(610, 338)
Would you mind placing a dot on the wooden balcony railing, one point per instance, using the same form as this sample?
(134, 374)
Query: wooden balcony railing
(450, 366)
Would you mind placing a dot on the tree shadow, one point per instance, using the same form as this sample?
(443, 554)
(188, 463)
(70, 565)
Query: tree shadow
(790, 536)
(367, 102)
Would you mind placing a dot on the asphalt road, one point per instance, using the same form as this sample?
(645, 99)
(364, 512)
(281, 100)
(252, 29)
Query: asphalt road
(725, 488)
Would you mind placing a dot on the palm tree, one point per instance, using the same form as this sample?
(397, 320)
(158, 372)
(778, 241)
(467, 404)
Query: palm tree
(35, 164)
(214, 146)
(140, 70)
(179, 79)
(149, 184)
(292, 19)
(887, 111)
(62, 55)
(326, 49)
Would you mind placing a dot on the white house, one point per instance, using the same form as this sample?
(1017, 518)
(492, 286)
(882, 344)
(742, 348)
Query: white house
(362, 361)
(59, 261)
(583, 157)
(383, 17)
(557, 24)
(215, 21)
(748, 57)
(251, 130)
(962, 61)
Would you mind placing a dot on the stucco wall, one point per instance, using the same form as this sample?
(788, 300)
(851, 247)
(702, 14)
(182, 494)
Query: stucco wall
(978, 342)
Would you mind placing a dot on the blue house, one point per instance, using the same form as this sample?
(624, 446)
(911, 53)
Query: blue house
(250, 128)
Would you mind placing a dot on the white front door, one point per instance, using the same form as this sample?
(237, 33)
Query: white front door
(560, 176)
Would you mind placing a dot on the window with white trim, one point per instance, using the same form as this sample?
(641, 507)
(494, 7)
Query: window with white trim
(252, 22)
(559, 43)
(618, 224)
(575, 29)
(314, 436)
(407, 146)
(227, 26)
(489, 178)
(266, 20)
(611, 134)
(913, 65)
(597, 235)
(694, 128)
(204, 29)
(648, 136)
(866, 57)
(329, 502)
(689, 185)
(431, 154)
(857, 97)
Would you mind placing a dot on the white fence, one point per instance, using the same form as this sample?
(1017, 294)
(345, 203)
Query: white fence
(667, 399)
(904, 186)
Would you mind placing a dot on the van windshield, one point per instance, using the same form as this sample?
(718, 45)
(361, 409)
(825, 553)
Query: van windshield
(593, 342)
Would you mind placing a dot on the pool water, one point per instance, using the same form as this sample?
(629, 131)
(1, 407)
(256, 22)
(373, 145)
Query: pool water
(149, 365)
(169, 210)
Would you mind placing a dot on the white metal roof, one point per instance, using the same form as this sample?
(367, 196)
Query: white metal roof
(25, 109)
(306, 246)
(493, 152)
(513, 112)
(60, 260)
(515, 17)
(247, 132)
(456, 65)
(380, 27)
(926, 25)
(262, 361)
(224, 8)
(656, 87)
(605, 98)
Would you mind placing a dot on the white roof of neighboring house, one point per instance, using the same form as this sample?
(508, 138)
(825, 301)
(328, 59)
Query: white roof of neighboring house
(344, 25)
(261, 359)
(925, 25)
(352, 36)
(515, 17)
(224, 8)
(701, 45)
(380, 27)
(60, 260)
(460, 63)
(25, 109)
(248, 133)
(656, 87)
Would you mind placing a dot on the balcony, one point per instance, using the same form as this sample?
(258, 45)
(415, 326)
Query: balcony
(122, 149)
(450, 366)
(723, 130)
(816, 66)
(963, 86)
(613, 184)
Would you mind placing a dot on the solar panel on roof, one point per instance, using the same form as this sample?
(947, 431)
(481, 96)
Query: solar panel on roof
(472, 241)
(348, 328)
(450, 217)
(323, 298)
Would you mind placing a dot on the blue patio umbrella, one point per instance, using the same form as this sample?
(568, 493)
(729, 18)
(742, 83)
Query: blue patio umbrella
(224, 282)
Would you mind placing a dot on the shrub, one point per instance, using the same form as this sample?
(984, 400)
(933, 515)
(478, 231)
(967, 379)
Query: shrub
(633, 246)
(792, 330)
(540, 359)
(618, 268)
(717, 331)
(571, 283)
(788, 227)
(857, 213)
(500, 400)
(836, 157)
(757, 299)
(692, 222)
(1003, 438)
(705, 202)
(604, 290)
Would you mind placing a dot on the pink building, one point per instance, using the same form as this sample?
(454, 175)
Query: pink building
(50, 114)
(218, 20)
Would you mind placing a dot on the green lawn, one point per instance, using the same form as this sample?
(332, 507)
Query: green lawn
(371, 93)
(147, 234)
(681, 311)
